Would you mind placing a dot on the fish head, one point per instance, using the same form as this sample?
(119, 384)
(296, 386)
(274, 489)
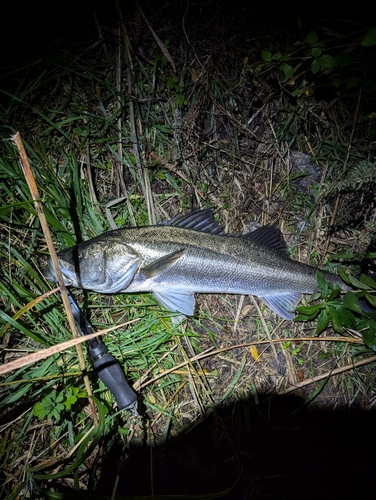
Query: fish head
(104, 265)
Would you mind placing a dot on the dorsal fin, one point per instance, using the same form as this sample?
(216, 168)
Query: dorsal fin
(269, 236)
(199, 220)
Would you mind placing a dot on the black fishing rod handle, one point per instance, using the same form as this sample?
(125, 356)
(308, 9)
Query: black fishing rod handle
(112, 375)
(106, 366)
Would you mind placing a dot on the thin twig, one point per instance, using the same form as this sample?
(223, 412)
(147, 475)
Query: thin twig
(336, 371)
(207, 354)
(62, 346)
(158, 41)
(29, 176)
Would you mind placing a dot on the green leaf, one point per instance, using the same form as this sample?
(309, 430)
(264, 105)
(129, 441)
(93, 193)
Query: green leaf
(370, 39)
(285, 58)
(350, 301)
(309, 310)
(60, 397)
(287, 70)
(86, 447)
(305, 317)
(335, 81)
(69, 402)
(164, 128)
(322, 321)
(315, 66)
(72, 394)
(71, 397)
(369, 335)
(323, 285)
(343, 275)
(371, 299)
(343, 60)
(366, 280)
(21, 328)
(345, 317)
(358, 284)
(352, 82)
(311, 38)
(316, 52)
(50, 406)
(335, 292)
(40, 410)
(266, 55)
(334, 319)
(327, 61)
(123, 431)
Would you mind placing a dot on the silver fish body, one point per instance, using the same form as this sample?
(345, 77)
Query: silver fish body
(190, 254)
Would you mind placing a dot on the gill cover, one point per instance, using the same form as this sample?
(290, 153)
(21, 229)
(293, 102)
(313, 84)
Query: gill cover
(102, 268)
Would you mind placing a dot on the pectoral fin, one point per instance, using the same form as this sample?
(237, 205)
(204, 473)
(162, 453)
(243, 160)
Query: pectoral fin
(283, 304)
(176, 300)
(161, 264)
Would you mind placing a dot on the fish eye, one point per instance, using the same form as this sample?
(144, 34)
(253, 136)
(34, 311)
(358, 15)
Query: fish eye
(74, 257)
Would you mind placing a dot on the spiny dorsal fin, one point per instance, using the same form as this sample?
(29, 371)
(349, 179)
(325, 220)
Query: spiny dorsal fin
(199, 220)
(269, 236)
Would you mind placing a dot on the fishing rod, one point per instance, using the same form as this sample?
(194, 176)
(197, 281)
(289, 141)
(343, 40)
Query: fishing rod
(106, 366)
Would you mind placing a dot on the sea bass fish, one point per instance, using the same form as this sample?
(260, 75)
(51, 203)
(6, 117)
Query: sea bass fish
(190, 254)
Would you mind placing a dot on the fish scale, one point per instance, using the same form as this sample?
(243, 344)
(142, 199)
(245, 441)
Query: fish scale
(175, 260)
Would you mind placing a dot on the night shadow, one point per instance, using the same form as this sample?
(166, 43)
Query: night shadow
(261, 451)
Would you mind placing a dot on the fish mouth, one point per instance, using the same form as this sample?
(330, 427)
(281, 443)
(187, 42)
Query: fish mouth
(50, 274)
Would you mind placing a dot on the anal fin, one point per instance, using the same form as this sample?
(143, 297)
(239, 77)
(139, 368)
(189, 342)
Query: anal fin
(176, 300)
(283, 304)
